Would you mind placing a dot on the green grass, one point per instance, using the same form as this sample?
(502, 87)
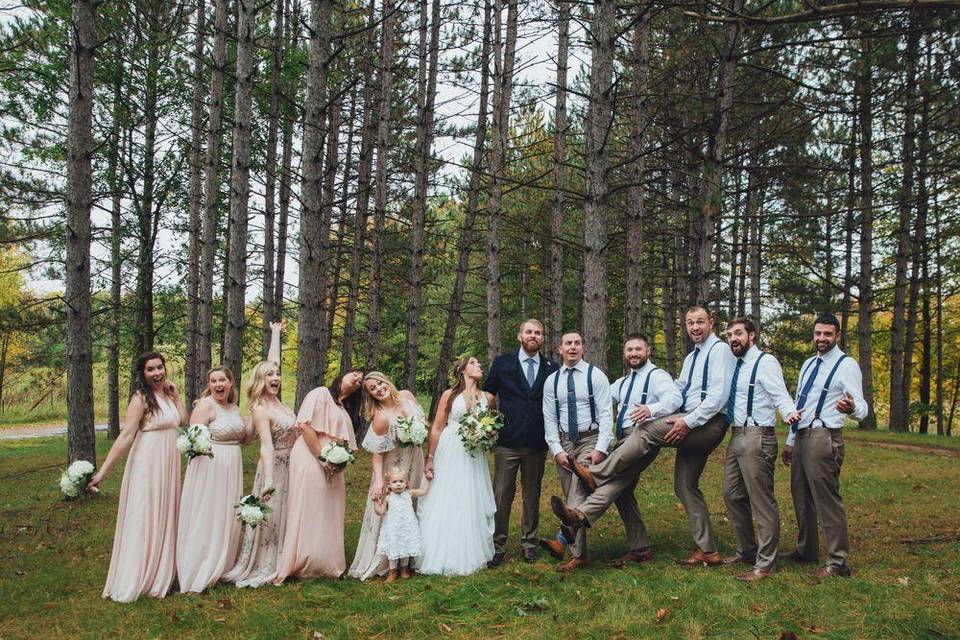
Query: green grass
(55, 557)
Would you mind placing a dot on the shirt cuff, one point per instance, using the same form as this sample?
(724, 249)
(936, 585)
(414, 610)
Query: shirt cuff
(791, 437)
(555, 448)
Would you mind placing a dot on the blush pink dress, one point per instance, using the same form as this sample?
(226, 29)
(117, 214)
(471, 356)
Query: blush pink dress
(312, 544)
(143, 560)
(208, 537)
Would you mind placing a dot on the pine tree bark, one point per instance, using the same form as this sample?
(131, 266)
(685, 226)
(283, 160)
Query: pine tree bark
(115, 150)
(849, 219)
(311, 319)
(270, 306)
(328, 193)
(864, 91)
(81, 443)
(921, 256)
(333, 301)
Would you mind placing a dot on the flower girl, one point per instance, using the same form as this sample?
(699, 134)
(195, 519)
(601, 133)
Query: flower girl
(399, 537)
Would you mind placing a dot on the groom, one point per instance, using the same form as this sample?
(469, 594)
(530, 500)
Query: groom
(516, 378)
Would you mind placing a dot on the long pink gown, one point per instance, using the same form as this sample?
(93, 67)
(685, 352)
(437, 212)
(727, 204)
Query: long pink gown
(143, 560)
(208, 538)
(313, 537)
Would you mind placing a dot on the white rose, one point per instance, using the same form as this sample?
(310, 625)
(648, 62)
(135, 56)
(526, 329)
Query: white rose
(251, 514)
(68, 486)
(183, 443)
(202, 444)
(79, 469)
(336, 454)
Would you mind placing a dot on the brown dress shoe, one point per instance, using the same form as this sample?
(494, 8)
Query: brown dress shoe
(571, 565)
(585, 476)
(391, 576)
(699, 558)
(566, 515)
(554, 547)
(637, 555)
(739, 559)
(799, 558)
(529, 556)
(496, 560)
(753, 576)
(842, 571)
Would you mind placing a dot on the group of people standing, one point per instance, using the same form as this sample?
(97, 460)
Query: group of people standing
(601, 437)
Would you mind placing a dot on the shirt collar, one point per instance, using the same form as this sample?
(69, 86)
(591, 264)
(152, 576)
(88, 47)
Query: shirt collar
(831, 355)
(752, 354)
(646, 367)
(583, 365)
(707, 343)
(522, 356)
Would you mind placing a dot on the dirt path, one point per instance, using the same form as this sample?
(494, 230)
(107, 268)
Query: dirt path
(39, 431)
(916, 448)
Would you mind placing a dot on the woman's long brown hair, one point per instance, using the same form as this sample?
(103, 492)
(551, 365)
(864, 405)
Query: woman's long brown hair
(142, 385)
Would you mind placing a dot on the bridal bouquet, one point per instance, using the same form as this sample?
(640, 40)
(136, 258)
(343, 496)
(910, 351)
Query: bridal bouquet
(337, 453)
(252, 510)
(411, 431)
(195, 441)
(480, 429)
(73, 481)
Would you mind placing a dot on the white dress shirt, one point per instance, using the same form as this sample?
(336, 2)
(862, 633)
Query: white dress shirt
(552, 423)
(847, 379)
(663, 396)
(769, 393)
(522, 357)
(718, 380)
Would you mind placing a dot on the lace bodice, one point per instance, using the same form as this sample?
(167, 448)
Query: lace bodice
(227, 426)
(283, 431)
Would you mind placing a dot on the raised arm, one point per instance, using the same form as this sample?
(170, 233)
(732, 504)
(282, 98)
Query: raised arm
(131, 425)
(261, 423)
(276, 328)
(439, 421)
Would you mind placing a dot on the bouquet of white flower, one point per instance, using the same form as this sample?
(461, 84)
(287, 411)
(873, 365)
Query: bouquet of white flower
(73, 481)
(252, 510)
(479, 430)
(337, 453)
(195, 441)
(411, 431)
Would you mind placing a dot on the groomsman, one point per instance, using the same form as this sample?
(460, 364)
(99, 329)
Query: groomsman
(516, 378)
(757, 390)
(647, 392)
(829, 390)
(704, 387)
(578, 427)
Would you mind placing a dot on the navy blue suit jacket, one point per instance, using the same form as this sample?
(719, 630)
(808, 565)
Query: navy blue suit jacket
(521, 406)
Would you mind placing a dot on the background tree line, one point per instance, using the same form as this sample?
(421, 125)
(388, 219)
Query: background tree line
(404, 181)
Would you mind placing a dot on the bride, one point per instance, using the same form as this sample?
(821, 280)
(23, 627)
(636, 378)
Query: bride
(456, 515)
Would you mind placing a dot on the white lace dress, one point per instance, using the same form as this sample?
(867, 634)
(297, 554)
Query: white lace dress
(457, 514)
(399, 531)
(367, 563)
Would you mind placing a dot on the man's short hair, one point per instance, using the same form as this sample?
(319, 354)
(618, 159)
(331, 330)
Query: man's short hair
(828, 318)
(532, 321)
(636, 336)
(746, 322)
(569, 332)
(697, 307)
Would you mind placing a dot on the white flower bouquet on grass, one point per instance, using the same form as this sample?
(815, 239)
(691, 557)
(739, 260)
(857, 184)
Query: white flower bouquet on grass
(411, 431)
(337, 453)
(252, 510)
(73, 481)
(480, 429)
(195, 441)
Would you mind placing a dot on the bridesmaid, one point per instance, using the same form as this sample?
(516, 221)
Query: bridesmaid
(382, 405)
(143, 560)
(312, 543)
(208, 537)
(275, 426)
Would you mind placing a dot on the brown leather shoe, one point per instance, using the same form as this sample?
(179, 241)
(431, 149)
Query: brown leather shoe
(567, 516)
(554, 547)
(496, 560)
(571, 565)
(739, 559)
(585, 476)
(699, 558)
(637, 555)
(799, 558)
(529, 555)
(828, 571)
(754, 575)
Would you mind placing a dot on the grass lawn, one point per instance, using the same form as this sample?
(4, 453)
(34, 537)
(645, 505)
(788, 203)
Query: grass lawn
(55, 557)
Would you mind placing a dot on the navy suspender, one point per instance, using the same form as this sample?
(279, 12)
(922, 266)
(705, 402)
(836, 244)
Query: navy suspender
(593, 404)
(826, 387)
(646, 385)
(706, 372)
(753, 384)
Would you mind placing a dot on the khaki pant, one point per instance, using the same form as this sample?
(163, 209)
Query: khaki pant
(748, 493)
(639, 449)
(530, 464)
(815, 485)
(573, 490)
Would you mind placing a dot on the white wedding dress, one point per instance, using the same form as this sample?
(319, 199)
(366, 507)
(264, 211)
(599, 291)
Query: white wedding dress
(456, 515)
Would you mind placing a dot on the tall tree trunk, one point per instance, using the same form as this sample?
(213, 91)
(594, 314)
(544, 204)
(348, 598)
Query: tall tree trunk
(864, 91)
(211, 190)
(669, 313)
(899, 400)
(116, 259)
(364, 170)
(81, 443)
(635, 214)
(196, 206)
(848, 225)
(937, 243)
(599, 120)
(327, 197)
(372, 355)
(503, 61)
(921, 256)
(426, 98)
(334, 300)
(735, 234)
(310, 365)
(755, 220)
(465, 241)
(236, 284)
(270, 306)
(553, 297)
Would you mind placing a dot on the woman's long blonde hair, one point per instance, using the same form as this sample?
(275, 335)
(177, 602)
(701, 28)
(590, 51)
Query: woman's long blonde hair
(257, 384)
(369, 404)
(233, 397)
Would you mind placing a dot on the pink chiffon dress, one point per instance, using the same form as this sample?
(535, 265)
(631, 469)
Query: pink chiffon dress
(208, 537)
(143, 560)
(312, 544)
